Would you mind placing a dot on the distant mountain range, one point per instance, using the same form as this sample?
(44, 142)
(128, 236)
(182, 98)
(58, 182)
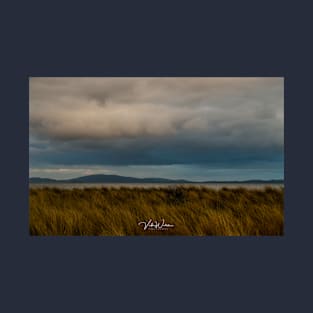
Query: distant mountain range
(123, 179)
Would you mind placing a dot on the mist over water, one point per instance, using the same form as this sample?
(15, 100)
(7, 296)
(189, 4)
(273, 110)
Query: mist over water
(152, 185)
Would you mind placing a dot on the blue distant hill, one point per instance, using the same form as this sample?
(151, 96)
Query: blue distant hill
(101, 178)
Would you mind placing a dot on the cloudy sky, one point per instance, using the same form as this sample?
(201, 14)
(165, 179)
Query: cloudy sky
(191, 128)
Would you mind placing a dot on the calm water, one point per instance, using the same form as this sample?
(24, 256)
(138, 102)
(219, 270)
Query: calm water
(212, 185)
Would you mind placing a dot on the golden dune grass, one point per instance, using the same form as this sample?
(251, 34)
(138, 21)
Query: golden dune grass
(193, 211)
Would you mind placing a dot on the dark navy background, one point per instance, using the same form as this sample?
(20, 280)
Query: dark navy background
(181, 274)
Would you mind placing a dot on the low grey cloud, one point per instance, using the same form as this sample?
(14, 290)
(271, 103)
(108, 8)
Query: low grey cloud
(155, 121)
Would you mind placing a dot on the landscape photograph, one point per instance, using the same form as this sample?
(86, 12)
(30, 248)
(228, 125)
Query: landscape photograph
(156, 156)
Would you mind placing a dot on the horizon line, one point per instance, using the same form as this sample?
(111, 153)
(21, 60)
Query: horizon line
(174, 179)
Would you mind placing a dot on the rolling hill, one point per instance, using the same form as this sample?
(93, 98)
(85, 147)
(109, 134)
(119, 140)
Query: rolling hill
(101, 178)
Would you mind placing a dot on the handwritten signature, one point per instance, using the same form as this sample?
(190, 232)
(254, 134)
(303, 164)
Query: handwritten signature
(155, 225)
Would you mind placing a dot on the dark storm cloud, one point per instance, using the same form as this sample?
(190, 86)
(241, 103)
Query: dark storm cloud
(144, 121)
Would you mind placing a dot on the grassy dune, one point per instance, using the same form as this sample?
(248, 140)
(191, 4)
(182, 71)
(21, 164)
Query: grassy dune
(192, 211)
